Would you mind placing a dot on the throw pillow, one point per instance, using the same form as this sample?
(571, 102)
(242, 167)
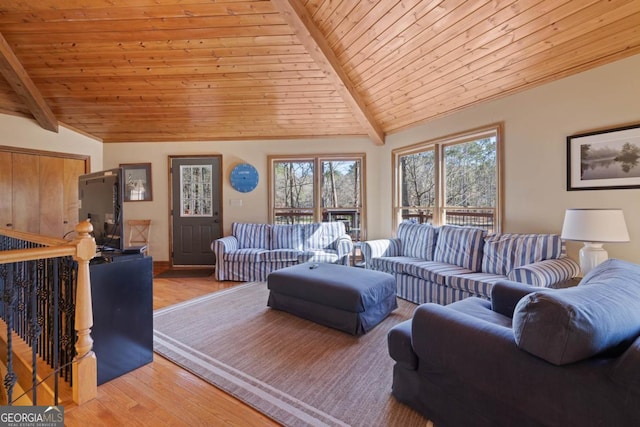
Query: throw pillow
(255, 236)
(461, 246)
(417, 240)
(567, 325)
(498, 253)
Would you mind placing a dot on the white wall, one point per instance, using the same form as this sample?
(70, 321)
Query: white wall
(26, 133)
(254, 204)
(537, 123)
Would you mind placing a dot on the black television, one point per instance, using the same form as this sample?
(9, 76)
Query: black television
(101, 196)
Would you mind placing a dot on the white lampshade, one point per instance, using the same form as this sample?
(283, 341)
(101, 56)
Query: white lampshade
(594, 227)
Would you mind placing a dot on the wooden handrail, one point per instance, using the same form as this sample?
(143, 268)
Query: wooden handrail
(34, 238)
(32, 254)
(82, 249)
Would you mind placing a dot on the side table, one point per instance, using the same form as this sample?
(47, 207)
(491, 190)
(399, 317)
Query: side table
(567, 283)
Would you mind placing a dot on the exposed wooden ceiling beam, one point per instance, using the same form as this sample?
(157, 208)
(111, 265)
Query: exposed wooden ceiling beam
(297, 17)
(15, 74)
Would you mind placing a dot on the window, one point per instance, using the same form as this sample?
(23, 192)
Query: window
(453, 180)
(318, 188)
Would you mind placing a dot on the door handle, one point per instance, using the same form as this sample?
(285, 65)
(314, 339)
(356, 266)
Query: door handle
(216, 221)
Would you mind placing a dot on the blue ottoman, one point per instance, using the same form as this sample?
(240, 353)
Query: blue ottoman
(350, 299)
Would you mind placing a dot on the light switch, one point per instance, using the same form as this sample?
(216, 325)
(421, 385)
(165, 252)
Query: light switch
(235, 202)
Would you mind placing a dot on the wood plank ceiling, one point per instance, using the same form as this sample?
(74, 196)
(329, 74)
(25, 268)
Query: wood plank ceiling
(179, 70)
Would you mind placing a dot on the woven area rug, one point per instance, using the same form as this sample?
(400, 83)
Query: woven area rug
(293, 370)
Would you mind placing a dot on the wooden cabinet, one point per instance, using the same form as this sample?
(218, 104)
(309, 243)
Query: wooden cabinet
(39, 190)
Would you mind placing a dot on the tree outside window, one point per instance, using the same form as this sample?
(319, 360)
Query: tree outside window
(300, 195)
(454, 180)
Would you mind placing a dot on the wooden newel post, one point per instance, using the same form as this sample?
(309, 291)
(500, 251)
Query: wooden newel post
(85, 368)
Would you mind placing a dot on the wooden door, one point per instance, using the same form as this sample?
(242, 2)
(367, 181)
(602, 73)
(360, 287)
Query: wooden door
(39, 190)
(6, 205)
(196, 191)
(73, 168)
(51, 196)
(26, 192)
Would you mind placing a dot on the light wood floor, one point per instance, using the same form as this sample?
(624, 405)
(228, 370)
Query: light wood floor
(161, 393)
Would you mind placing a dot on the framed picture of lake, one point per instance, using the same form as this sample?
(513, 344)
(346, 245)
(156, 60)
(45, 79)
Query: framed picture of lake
(604, 160)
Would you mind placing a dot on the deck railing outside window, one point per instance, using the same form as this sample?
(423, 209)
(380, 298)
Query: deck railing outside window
(350, 218)
(482, 217)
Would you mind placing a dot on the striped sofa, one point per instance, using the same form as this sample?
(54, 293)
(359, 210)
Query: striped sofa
(449, 263)
(255, 250)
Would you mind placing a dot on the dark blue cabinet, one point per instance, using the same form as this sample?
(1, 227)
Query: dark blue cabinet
(122, 297)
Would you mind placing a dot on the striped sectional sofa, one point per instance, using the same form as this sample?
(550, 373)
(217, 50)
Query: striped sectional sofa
(255, 250)
(449, 263)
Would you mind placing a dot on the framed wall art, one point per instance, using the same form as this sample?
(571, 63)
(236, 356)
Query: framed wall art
(604, 160)
(137, 182)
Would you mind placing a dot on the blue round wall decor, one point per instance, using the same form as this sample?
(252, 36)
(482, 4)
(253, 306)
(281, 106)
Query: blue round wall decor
(244, 178)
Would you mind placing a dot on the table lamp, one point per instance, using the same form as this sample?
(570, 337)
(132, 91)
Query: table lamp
(594, 227)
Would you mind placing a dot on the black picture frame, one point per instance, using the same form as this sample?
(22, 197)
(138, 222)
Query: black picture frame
(137, 182)
(604, 160)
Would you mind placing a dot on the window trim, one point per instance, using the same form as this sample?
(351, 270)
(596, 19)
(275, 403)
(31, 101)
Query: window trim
(317, 160)
(438, 145)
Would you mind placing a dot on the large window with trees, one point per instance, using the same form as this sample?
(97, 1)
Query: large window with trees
(318, 188)
(452, 180)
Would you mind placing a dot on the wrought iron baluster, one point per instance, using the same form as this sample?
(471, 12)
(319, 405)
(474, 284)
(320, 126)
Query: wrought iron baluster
(8, 299)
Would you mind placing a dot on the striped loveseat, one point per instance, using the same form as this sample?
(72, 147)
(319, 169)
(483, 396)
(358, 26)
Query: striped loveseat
(448, 263)
(255, 250)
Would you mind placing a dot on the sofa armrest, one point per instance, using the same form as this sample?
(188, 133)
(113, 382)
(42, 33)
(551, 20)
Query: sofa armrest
(505, 294)
(224, 244)
(344, 246)
(440, 334)
(379, 248)
(399, 344)
(219, 248)
(545, 273)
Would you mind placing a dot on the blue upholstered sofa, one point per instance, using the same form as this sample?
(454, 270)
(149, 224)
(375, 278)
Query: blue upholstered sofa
(529, 357)
(449, 263)
(255, 250)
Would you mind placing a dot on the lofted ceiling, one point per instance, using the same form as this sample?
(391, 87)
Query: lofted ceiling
(181, 70)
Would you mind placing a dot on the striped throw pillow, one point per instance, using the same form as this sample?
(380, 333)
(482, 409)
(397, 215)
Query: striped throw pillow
(417, 240)
(287, 237)
(537, 247)
(251, 235)
(461, 246)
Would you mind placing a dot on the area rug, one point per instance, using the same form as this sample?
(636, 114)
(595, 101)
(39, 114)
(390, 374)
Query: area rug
(186, 273)
(292, 370)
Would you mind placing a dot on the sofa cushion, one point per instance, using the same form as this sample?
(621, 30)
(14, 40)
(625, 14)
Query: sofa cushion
(461, 246)
(287, 236)
(504, 252)
(532, 248)
(394, 264)
(568, 325)
(627, 369)
(326, 255)
(417, 240)
(433, 271)
(255, 236)
(498, 253)
(245, 255)
(276, 255)
(322, 235)
(475, 283)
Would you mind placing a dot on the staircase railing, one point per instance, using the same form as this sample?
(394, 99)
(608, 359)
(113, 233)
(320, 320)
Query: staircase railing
(46, 300)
